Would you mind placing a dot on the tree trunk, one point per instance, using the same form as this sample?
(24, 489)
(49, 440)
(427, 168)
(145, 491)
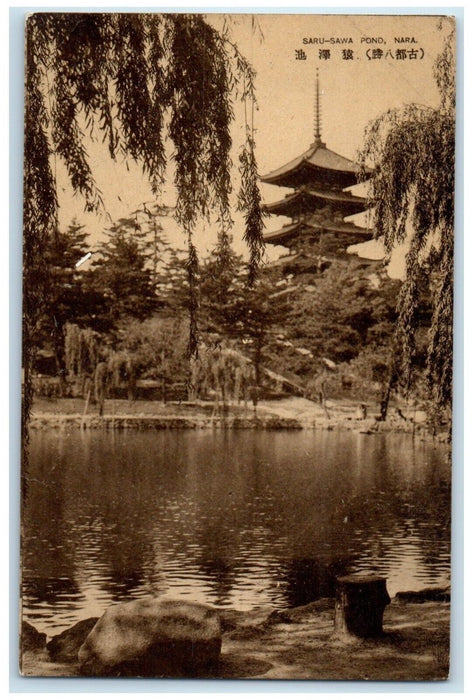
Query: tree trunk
(359, 606)
(131, 386)
(163, 376)
(58, 345)
(387, 393)
(257, 360)
(323, 400)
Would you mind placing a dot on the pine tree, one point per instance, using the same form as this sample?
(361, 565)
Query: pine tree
(120, 273)
(68, 297)
(221, 288)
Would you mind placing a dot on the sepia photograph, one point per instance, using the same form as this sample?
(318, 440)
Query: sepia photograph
(237, 346)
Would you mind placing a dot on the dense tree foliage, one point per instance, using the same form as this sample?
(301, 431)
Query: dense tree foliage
(235, 310)
(223, 372)
(70, 295)
(412, 191)
(337, 313)
(333, 324)
(341, 314)
(149, 231)
(133, 80)
(174, 282)
(156, 349)
(152, 349)
(120, 273)
(221, 288)
(64, 299)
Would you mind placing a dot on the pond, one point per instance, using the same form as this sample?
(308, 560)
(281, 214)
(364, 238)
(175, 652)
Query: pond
(235, 519)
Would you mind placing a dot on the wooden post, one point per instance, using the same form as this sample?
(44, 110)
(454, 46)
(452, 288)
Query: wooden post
(359, 605)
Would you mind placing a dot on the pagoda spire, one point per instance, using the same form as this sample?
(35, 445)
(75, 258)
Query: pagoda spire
(317, 119)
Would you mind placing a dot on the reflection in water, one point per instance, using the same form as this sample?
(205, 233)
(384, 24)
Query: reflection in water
(310, 579)
(230, 518)
(53, 591)
(221, 577)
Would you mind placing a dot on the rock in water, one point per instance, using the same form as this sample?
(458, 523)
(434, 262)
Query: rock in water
(153, 637)
(65, 646)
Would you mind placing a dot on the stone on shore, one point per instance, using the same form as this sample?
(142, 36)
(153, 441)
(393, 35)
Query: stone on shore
(31, 639)
(65, 646)
(441, 595)
(153, 637)
(299, 643)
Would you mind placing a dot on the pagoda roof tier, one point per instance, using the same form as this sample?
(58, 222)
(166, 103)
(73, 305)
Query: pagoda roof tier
(301, 262)
(319, 167)
(287, 234)
(307, 199)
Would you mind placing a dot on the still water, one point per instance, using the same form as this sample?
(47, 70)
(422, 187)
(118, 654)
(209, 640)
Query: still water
(234, 519)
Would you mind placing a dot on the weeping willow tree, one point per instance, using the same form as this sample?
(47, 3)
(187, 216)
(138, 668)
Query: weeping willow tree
(412, 191)
(82, 351)
(224, 372)
(87, 363)
(134, 81)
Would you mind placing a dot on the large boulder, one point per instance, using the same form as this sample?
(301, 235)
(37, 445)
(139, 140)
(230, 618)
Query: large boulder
(153, 637)
(65, 646)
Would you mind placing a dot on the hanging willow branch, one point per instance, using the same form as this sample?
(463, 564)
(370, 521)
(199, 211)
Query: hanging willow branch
(200, 130)
(121, 77)
(249, 201)
(249, 197)
(192, 266)
(412, 191)
(39, 204)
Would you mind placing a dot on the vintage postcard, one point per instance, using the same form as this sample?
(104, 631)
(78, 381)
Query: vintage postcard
(237, 346)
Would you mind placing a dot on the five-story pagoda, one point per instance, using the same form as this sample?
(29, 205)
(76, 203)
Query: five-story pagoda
(320, 201)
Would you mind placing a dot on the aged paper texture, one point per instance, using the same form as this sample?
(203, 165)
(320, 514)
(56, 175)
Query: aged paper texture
(237, 346)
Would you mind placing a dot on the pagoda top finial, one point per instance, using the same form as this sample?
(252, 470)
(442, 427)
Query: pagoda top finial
(317, 120)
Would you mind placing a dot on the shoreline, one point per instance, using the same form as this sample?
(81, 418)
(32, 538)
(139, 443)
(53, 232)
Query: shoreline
(161, 422)
(287, 414)
(300, 643)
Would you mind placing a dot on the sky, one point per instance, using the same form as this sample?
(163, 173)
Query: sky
(353, 92)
